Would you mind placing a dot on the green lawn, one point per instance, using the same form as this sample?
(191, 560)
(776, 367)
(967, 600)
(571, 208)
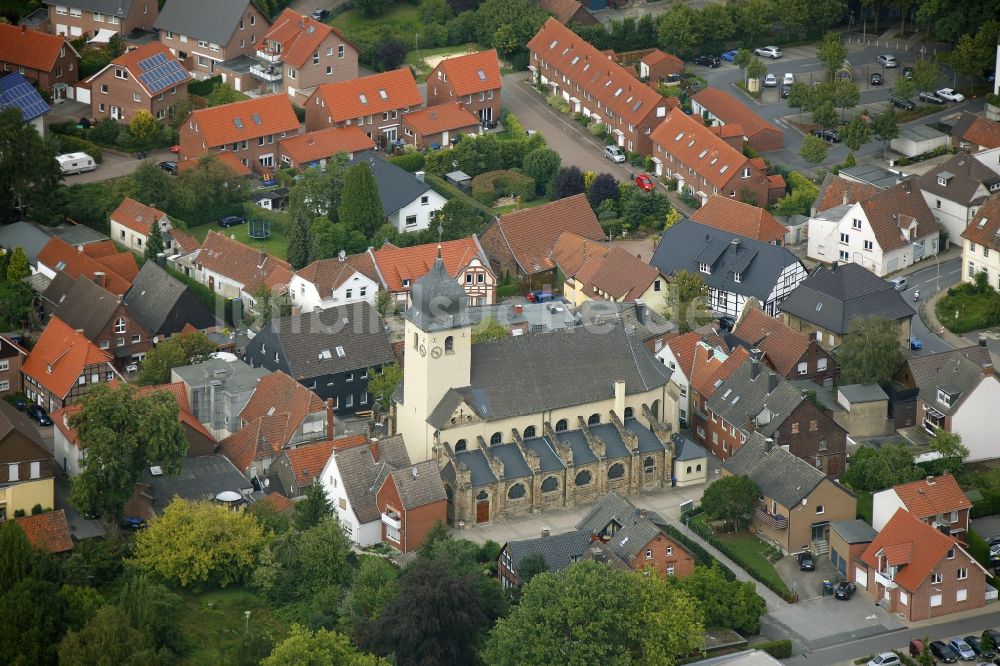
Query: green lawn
(212, 624)
(864, 506)
(751, 549)
(975, 309)
(276, 245)
(403, 14)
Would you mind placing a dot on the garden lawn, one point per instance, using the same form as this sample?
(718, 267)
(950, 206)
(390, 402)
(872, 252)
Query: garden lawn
(751, 549)
(401, 14)
(276, 245)
(212, 624)
(975, 309)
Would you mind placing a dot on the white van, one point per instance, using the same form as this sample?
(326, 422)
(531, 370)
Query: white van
(71, 163)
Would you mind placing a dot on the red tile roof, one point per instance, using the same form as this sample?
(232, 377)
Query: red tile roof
(656, 56)
(728, 130)
(307, 461)
(571, 251)
(708, 370)
(29, 48)
(325, 143)
(740, 218)
(130, 61)
(892, 211)
(328, 274)
(88, 260)
(61, 356)
(61, 418)
(299, 36)
(48, 531)
(227, 158)
(396, 264)
(728, 109)
(368, 95)
(278, 393)
(261, 438)
(619, 274)
(984, 228)
(242, 263)
(697, 147)
(278, 502)
(531, 233)
(471, 73)
(238, 121)
(440, 118)
(840, 191)
(782, 345)
(925, 497)
(982, 132)
(564, 10)
(185, 241)
(136, 216)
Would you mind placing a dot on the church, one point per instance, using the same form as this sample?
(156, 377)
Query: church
(530, 422)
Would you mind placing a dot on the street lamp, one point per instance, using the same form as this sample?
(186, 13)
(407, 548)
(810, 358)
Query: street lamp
(937, 261)
(247, 630)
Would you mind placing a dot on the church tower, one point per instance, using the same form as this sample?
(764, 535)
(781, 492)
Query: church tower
(437, 355)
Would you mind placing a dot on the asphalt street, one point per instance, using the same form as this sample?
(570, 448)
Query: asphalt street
(925, 281)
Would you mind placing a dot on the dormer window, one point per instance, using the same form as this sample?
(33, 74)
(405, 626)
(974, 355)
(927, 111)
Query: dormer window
(736, 277)
(944, 398)
(704, 268)
(943, 178)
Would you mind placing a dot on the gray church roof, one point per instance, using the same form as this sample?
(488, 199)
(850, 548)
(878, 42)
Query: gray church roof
(548, 461)
(582, 453)
(514, 465)
(396, 187)
(213, 21)
(437, 301)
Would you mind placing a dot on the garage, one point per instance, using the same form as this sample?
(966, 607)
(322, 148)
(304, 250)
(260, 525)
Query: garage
(861, 576)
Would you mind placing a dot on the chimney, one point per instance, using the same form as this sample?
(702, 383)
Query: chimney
(24, 29)
(79, 248)
(768, 445)
(99, 278)
(420, 176)
(373, 447)
(620, 397)
(987, 369)
(845, 197)
(263, 258)
(545, 531)
(413, 471)
(735, 243)
(329, 419)
(754, 370)
(161, 259)
(640, 311)
(982, 340)
(833, 267)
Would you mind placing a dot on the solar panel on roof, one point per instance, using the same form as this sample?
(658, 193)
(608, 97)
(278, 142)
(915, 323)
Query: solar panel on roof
(24, 97)
(163, 75)
(152, 61)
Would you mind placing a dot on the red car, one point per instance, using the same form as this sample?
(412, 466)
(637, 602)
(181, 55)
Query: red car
(175, 149)
(644, 182)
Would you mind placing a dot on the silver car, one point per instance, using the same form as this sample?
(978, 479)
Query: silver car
(614, 153)
(772, 52)
(887, 61)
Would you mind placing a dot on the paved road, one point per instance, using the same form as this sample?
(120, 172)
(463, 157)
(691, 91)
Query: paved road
(116, 166)
(925, 280)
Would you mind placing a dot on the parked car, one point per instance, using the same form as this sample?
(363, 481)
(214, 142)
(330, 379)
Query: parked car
(770, 81)
(844, 590)
(984, 649)
(962, 649)
(941, 651)
(133, 523)
(806, 561)
(928, 96)
(614, 153)
(994, 636)
(321, 14)
(169, 166)
(38, 415)
(908, 73)
(232, 221)
(902, 103)
(786, 90)
(831, 135)
(708, 61)
(772, 52)
(885, 659)
(539, 296)
(995, 551)
(729, 56)
(876, 79)
(951, 95)
(900, 283)
(915, 343)
(644, 182)
(887, 61)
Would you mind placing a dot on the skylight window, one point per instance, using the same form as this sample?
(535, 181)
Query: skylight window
(382, 93)
(553, 44)
(607, 83)
(618, 92)
(691, 143)
(565, 50)
(726, 394)
(982, 222)
(238, 122)
(714, 160)
(736, 399)
(679, 136)
(256, 118)
(819, 306)
(702, 154)
(718, 383)
(325, 354)
(482, 75)
(575, 60)
(363, 98)
(724, 169)
(340, 352)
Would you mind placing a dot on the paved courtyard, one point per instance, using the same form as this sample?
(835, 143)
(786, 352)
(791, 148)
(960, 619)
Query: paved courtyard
(826, 621)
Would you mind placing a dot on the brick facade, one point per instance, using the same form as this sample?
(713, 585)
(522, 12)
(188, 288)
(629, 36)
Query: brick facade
(64, 69)
(415, 523)
(74, 22)
(116, 94)
(11, 357)
(123, 337)
(202, 58)
(664, 554)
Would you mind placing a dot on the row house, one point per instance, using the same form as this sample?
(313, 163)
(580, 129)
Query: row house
(148, 78)
(938, 501)
(721, 108)
(678, 354)
(103, 18)
(704, 162)
(205, 34)
(248, 131)
(315, 149)
(981, 244)
(27, 475)
(472, 80)
(165, 305)
(974, 133)
(790, 353)
(596, 86)
(710, 366)
(957, 189)
(47, 61)
(740, 218)
(607, 275)
(376, 103)
(439, 125)
(299, 53)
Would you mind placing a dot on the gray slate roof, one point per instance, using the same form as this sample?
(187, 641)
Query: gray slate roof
(362, 476)
(236, 377)
(396, 187)
(612, 508)
(419, 484)
(967, 180)
(77, 234)
(755, 391)
(213, 21)
(832, 297)
(859, 393)
(164, 304)
(597, 313)
(559, 550)
(687, 244)
(81, 303)
(115, 7)
(307, 344)
(781, 476)
(633, 537)
(481, 474)
(871, 174)
(26, 235)
(201, 478)
(548, 461)
(686, 448)
(957, 372)
(854, 531)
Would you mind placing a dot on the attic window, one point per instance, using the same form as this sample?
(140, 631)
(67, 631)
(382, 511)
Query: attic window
(724, 169)
(736, 399)
(363, 98)
(566, 50)
(325, 354)
(982, 222)
(482, 75)
(238, 122)
(618, 92)
(943, 398)
(607, 83)
(61, 265)
(819, 306)
(256, 118)
(737, 277)
(718, 383)
(382, 93)
(553, 44)
(704, 268)
(702, 154)
(726, 394)
(691, 143)
(679, 136)
(637, 105)
(270, 412)
(340, 352)
(944, 177)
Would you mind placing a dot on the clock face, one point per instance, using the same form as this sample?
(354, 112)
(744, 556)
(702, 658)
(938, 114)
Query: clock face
(435, 352)
(423, 350)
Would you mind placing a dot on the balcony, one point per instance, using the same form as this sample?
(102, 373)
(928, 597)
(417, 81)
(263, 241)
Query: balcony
(391, 519)
(885, 581)
(772, 520)
(269, 56)
(271, 74)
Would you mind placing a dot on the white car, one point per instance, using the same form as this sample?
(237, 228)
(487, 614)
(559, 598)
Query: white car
(885, 659)
(788, 79)
(772, 52)
(770, 81)
(614, 153)
(951, 95)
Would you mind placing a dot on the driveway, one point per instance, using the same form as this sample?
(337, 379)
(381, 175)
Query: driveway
(826, 621)
(807, 584)
(116, 166)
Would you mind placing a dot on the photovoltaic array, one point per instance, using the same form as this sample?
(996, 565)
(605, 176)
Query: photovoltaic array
(23, 96)
(159, 73)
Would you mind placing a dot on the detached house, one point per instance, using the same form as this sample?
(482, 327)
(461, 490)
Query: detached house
(27, 475)
(398, 268)
(721, 108)
(47, 61)
(616, 275)
(974, 133)
(234, 270)
(408, 202)
(17, 92)
(164, 305)
(439, 126)
(100, 262)
(955, 190)
(981, 244)
(701, 160)
(790, 353)
(132, 222)
(148, 78)
(596, 86)
(659, 67)
(326, 283)
(204, 34)
(102, 18)
(938, 501)
(472, 80)
(740, 218)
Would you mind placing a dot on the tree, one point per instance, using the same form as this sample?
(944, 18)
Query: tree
(673, 217)
(825, 114)
(800, 95)
(742, 60)
(176, 351)
(373, 587)
(154, 243)
(542, 164)
(926, 74)
(321, 559)
(371, 8)
(752, 19)
(18, 267)
(674, 621)
(299, 242)
(870, 352)
(645, 209)
(269, 305)
(488, 330)
(29, 173)
(317, 193)
(845, 95)
(107, 639)
(531, 566)
(121, 433)
(417, 626)
(152, 610)
(383, 305)
(320, 648)
(813, 149)
(32, 619)
(688, 291)
(826, 13)
(731, 498)
(148, 184)
(716, 23)
(200, 543)
(905, 87)
(872, 470)
(360, 205)
(391, 54)
(885, 128)
(756, 70)
(602, 188)
(678, 29)
(223, 94)
(382, 383)
(314, 508)
(207, 191)
(794, 16)
(831, 52)
(143, 126)
(15, 554)
(856, 134)
(731, 604)
(949, 445)
(927, 659)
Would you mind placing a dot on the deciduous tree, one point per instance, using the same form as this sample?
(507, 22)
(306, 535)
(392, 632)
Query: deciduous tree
(304, 647)
(856, 134)
(531, 566)
(753, 18)
(542, 164)
(885, 128)
(870, 351)
(152, 610)
(360, 205)
(32, 620)
(813, 149)
(731, 498)
(224, 94)
(176, 351)
(107, 638)
(678, 29)
(29, 173)
(872, 470)
(756, 70)
(688, 292)
(372, 588)
(949, 445)
(15, 554)
(926, 74)
(382, 383)
(831, 52)
(143, 126)
(731, 604)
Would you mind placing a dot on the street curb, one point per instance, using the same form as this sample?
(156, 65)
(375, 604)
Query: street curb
(748, 95)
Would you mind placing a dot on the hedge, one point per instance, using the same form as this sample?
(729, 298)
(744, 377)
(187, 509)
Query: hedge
(701, 555)
(71, 144)
(490, 186)
(449, 192)
(780, 649)
(408, 162)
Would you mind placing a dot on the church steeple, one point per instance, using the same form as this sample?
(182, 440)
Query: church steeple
(438, 302)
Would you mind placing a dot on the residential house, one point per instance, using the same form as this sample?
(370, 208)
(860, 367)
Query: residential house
(148, 78)
(839, 190)
(955, 389)
(217, 391)
(956, 189)
(568, 11)
(520, 244)
(398, 268)
(659, 67)
(247, 131)
(912, 569)
(299, 53)
(12, 357)
(558, 550)
(63, 365)
(302, 466)
(376, 103)
(26, 472)
(132, 223)
(787, 351)
(721, 108)
(614, 275)
(164, 305)
(47, 531)
(596, 86)
(981, 244)
(825, 303)
(937, 501)
(234, 270)
(412, 500)
(49, 62)
(472, 80)
(408, 203)
(740, 218)
(205, 478)
(711, 365)
(102, 18)
(204, 34)
(100, 262)
(439, 126)
(17, 92)
(329, 351)
(798, 501)
(678, 354)
(37, 20)
(690, 462)
(315, 149)
(326, 283)
(848, 541)
(701, 160)
(570, 252)
(649, 326)
(975, 133)
(100, 316)
(734, 268)
(28, 236)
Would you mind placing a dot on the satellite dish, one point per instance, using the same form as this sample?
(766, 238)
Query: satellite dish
(228, 496)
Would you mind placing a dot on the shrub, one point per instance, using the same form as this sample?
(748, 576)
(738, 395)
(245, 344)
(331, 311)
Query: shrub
(204, 87)
(72, 144)
(635, 159)
(408, 161)
(780, 649)
(598, 130)
(558, 103)
(751, 568)
(106, 132)
(490, 186)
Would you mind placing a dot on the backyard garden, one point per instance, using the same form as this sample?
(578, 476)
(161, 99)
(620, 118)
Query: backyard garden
(969, 306)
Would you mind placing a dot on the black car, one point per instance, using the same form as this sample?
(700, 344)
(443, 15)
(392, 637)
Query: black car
(908, 73)
(928, 96)
(982, 648)
(806, 561)
(38, 415)
(708, 60)
(844, 590)
(321, 14)
(786, 90)
(902, 103)
(941, 650)
(232, 221)
(994, 636)
(831, 135)
(169, 166)
(876, 79)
